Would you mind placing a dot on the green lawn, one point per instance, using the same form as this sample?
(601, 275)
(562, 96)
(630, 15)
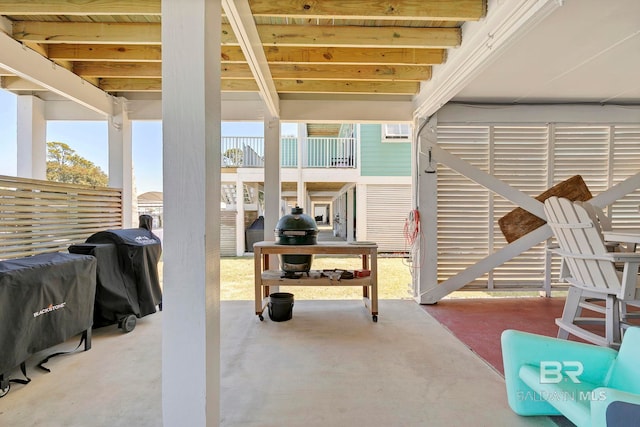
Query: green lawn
(394, 278)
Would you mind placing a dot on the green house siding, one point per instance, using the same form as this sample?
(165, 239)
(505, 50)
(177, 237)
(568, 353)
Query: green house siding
(379, 158)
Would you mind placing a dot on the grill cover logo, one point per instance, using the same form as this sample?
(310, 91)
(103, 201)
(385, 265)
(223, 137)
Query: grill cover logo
(50, 309)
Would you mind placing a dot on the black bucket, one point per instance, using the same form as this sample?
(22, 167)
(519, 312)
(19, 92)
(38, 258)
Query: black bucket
(280, 306)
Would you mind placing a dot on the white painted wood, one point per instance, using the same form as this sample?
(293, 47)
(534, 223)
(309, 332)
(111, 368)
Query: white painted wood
(386, 210)
(240, 227)
(301, 190)
(592, 271)
(425, 259)
(489, 181)
(236, 106)
(484, 41)
(362, 222)
(616, 192)
(301, 196)
(240, 17)
(271, 177)
(191, 159)
(516, 116)
(31, 134)
(571, 64)
(272, 188)
(120, 139)
(64, 109)
(350, 214)
(454, 113)
(32, 66)
(434, 294)
(359, 111)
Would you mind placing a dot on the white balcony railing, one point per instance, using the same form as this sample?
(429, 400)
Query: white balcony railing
(317, 152)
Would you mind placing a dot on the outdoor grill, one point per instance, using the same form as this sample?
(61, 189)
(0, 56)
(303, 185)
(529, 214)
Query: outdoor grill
(296, 228)
(128, 285)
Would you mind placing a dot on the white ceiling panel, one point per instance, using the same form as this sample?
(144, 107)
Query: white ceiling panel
(586, 51)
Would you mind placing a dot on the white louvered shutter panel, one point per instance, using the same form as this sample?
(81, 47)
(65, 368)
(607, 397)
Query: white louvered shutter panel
(531, 158)
(228, 233)
(626, 162)
(463, 205)
(387, 209)
(584, 151)
(520, 158)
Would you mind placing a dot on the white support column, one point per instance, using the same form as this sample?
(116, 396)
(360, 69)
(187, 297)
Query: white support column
(301, 186)
(32, 138)
(191, 140)
(361, 206)
(121, 160)
(272, 199)
(425, 259)
(351, 194)
(301, 196)
(240, 227)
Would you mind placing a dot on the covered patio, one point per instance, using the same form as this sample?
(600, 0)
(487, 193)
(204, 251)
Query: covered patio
(192, 64)
(326, 366)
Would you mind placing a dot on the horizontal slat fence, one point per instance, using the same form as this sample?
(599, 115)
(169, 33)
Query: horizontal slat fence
(43, 216)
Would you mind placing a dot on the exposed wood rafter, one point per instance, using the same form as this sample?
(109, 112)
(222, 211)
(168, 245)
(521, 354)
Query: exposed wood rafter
(239, 15)
(282, 46)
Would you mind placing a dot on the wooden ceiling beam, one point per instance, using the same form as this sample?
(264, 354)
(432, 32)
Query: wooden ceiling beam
(155, 85)
(88, 32)
(353, 55)
(102, 52)
(270, 35)
(350, 72)
(15, 83)
(275, 54)
(230, 53)
(434, 10)
(118, 69)
(130, 85)
(278, 71)
(361, 87)
(95, 7)
(449, 10)
(358, 36)
(283, 86)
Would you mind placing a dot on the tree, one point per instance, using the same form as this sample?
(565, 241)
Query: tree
(234, 156)
(64, 165)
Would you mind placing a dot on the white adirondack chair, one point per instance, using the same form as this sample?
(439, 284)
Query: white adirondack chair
(591, 270)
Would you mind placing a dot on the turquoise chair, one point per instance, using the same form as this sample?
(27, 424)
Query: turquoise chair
(588, 384)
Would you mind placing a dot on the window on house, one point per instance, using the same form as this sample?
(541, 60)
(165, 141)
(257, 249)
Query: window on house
(396, 132)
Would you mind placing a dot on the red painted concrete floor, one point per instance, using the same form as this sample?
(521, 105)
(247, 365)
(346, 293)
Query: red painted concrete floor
(479, 322)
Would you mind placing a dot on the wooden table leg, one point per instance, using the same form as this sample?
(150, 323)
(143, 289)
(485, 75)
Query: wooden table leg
(257, 273)
(374, 285)
(365, 266)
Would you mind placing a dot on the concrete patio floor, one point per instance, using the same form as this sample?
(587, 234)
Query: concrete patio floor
(328, 366)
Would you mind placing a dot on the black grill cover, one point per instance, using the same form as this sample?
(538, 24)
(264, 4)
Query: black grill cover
(127, 274)
(44, 300)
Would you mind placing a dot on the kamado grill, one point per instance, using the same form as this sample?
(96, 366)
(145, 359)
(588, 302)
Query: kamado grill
(296, 229)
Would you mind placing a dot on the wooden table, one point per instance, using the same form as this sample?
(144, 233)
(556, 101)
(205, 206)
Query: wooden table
(265, 277)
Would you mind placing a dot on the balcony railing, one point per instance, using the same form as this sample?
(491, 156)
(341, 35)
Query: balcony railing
(316, 153)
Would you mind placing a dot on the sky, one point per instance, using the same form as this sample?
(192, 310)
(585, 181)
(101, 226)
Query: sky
(89, 139)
